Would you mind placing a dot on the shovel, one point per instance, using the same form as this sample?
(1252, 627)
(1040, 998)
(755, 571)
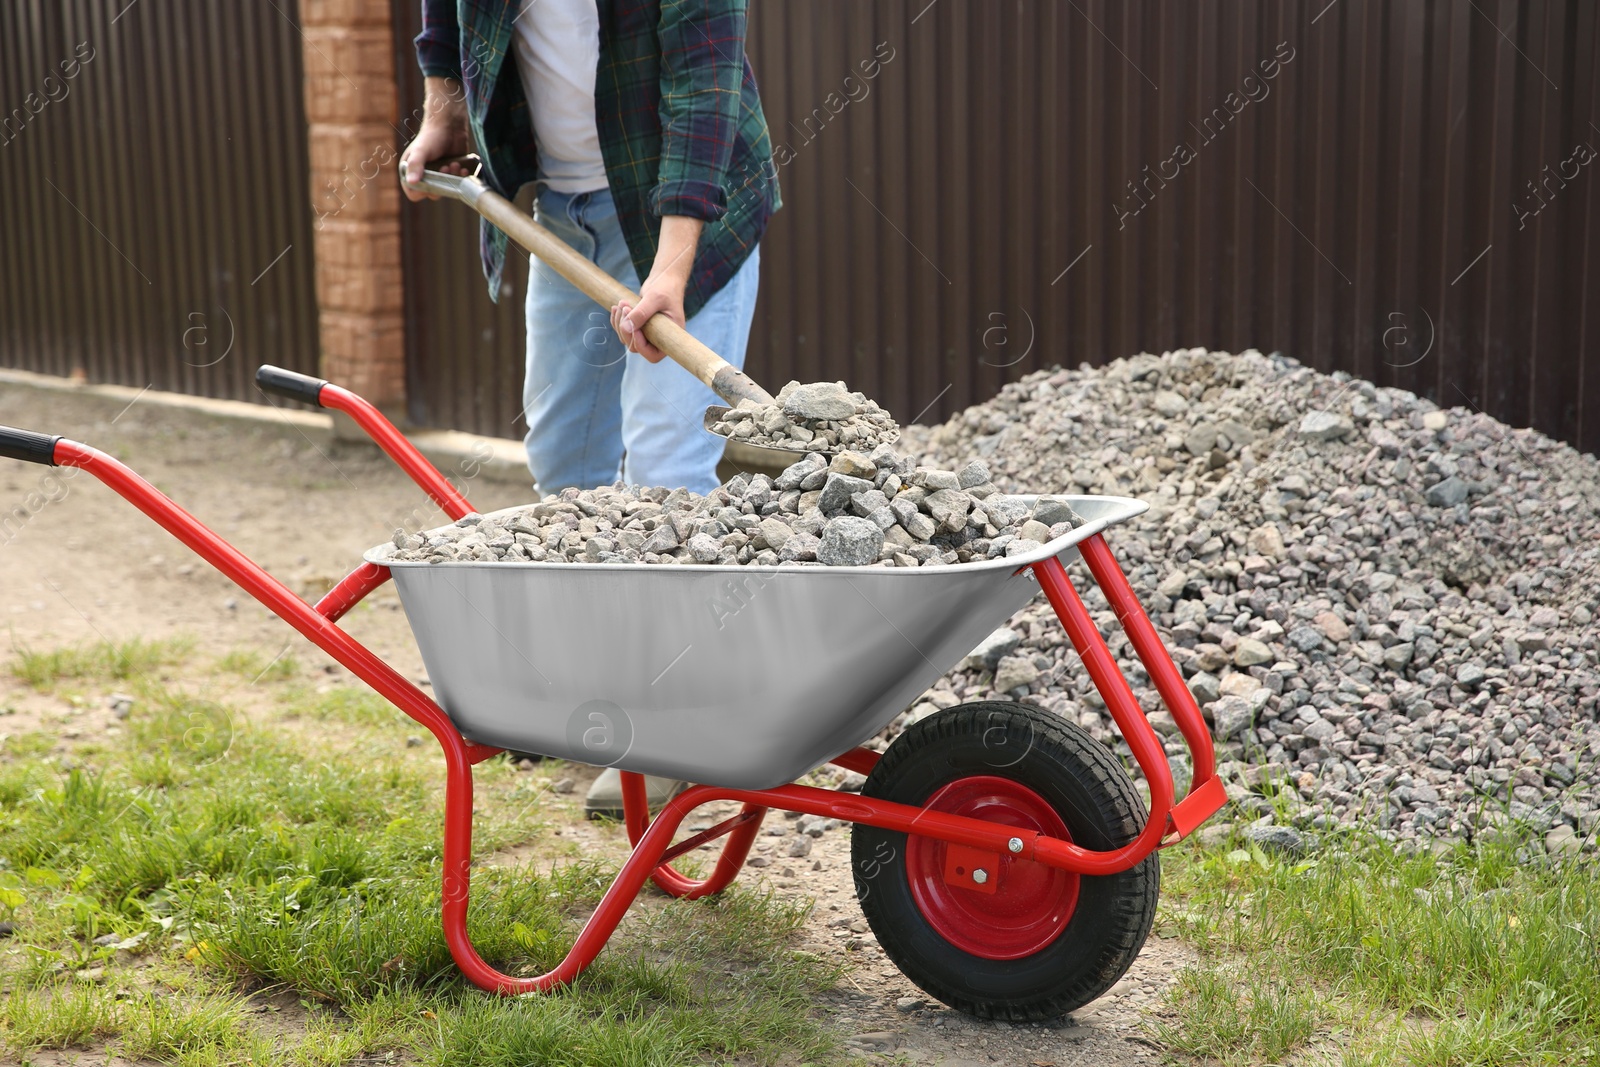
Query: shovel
(726, 380)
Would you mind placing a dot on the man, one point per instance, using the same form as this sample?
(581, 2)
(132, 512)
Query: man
(640, 123)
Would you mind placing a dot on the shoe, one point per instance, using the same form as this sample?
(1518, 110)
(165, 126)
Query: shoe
(605, 796)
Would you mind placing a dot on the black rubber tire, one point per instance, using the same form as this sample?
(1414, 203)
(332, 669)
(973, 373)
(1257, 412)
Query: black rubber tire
(1096, 800)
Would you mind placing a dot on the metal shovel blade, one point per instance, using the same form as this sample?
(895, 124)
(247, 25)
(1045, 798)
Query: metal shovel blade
(768, 454)
(762, 455)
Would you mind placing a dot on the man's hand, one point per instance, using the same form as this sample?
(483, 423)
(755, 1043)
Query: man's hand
(443, 134)
(662, 292)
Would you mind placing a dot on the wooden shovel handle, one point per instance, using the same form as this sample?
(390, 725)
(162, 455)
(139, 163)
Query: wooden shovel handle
(726, 380)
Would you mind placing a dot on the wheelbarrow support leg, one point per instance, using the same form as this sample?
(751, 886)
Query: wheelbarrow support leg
(636, 813)
(1206, 794)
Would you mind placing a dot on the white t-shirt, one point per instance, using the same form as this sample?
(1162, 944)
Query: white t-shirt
(557, 44)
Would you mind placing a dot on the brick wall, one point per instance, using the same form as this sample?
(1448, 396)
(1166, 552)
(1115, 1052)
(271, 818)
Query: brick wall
(351, 107)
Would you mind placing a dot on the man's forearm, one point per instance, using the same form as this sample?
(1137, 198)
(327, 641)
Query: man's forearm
(680, 236)
(441, 95)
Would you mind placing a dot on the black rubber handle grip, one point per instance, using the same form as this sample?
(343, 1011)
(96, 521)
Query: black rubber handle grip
(289, 385)
(28, 446)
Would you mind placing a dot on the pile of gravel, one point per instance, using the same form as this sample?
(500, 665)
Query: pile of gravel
(1385, 608)
(818, 417)
(853, 511)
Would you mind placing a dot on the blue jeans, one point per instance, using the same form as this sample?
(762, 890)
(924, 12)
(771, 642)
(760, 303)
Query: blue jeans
(595, 410)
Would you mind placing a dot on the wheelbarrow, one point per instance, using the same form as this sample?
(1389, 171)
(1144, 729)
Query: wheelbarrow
(1005, 860)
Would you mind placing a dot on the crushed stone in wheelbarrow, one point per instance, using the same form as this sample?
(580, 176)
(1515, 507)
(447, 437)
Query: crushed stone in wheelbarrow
(824, 415)
(857, 510)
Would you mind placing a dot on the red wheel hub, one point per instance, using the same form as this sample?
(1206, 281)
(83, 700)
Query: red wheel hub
(1021, 906)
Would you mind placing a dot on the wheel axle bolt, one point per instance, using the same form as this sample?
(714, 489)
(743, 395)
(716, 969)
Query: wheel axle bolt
(980, 875)
(1015, 844)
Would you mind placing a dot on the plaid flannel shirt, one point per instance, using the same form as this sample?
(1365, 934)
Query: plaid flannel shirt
(681, 126)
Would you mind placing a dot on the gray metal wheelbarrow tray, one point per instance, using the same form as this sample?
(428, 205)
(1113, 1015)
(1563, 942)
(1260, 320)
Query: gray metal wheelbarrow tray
(743, 677)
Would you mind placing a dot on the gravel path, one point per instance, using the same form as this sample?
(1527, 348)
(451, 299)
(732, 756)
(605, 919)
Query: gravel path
(1385, 606)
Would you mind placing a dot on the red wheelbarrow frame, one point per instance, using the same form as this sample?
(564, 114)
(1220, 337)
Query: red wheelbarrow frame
(653, 850)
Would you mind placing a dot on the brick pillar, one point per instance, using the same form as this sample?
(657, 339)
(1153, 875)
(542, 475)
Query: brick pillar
(352, 102)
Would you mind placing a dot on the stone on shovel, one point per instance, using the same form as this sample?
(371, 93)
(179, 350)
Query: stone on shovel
(819, 402)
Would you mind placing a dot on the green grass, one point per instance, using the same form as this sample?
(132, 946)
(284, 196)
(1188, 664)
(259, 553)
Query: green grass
(351, 705)
(33, 743)
(208, 858)
(104, 661)
(252, 666)
(1239, 1016)
(1474, 955)
(70, 1015)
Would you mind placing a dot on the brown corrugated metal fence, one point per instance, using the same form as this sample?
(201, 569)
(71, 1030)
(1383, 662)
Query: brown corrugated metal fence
(978, 189)
(463, 352)
(975, 189)
(155, 226)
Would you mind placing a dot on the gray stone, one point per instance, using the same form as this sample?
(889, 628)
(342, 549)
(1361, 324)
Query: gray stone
(799, 846)
(704, 548)
(1470, 675)
(1200, 438)
(1170, 404)
(1231, 716)
(662, 539)
(1050, 512)
(1305, 638)
(796, 472)
(904, 507)
(991, 649)
(1397, 655)
(801, 547)
(1014, 671)
(775, 533)
(819, 402)
(837, 491)
(1249, 652)
(949, 508)
(974, 473)
(1562, 840)
(921, 527)
(884, 518)
(1446, 494)
(1282, 840)
(850, 541)
(1204, 686)
(1321, 731)
(1324, 426)
(1034, 530)
(866, 503)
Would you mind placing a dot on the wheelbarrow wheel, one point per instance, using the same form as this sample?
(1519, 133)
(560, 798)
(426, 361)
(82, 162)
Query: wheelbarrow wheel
(989, 934)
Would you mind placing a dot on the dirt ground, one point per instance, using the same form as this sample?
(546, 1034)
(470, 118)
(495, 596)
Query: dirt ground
(78, 564)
